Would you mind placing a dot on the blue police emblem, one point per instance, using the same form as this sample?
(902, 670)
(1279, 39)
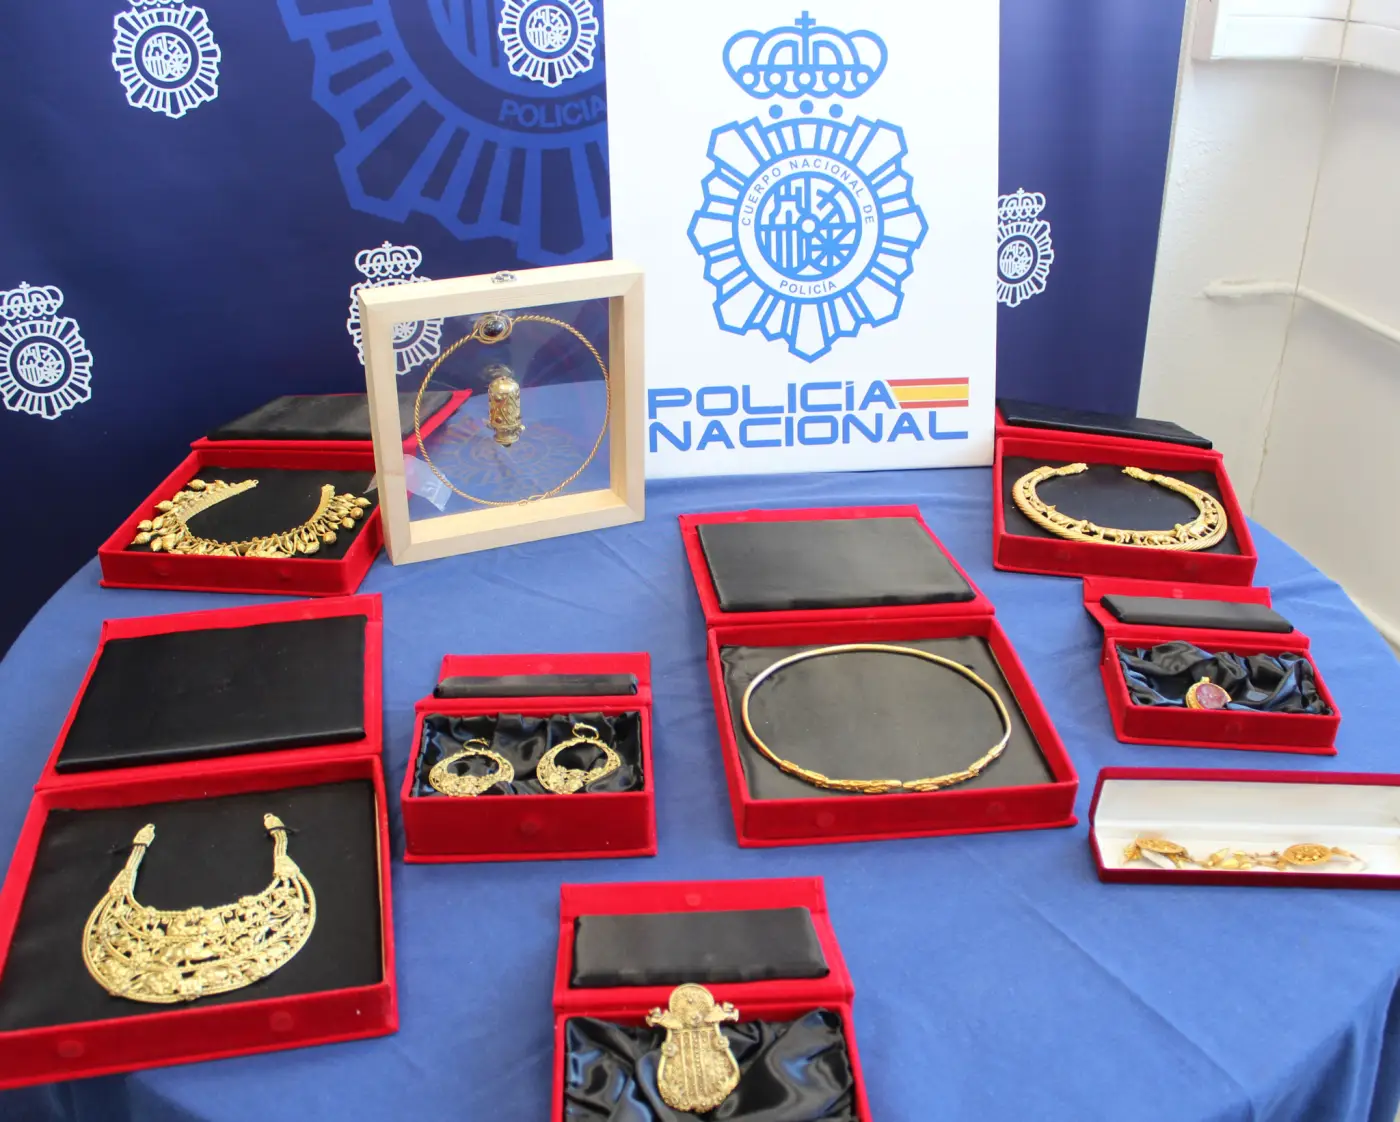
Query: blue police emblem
(809, 226)
(45, 366)
(492, 120)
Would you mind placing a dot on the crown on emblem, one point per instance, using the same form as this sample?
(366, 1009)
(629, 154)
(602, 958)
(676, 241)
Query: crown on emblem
(25, 302)
(389, 261)
(805, 60)
(1020, 206)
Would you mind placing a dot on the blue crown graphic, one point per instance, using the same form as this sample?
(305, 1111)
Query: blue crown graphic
(805, 60)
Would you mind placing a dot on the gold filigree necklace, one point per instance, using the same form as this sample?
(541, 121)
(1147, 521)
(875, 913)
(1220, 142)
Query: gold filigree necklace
(166, 957)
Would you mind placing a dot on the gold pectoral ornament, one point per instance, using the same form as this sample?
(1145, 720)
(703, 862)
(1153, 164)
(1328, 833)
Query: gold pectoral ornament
(1208, 528)
(697, 1071)
(167, 957)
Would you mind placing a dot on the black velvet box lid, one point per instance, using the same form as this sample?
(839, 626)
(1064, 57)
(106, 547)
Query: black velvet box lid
(341, 416)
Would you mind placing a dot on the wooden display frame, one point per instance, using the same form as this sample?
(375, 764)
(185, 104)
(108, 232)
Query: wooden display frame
(410, 540)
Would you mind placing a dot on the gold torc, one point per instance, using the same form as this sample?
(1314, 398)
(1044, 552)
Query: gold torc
(697, 1071)
(166, 957)
(1208, 528)
(170, 531)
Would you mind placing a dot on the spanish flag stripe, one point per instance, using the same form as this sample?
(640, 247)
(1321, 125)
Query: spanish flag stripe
(933, 404)
(926, 381)
(929, 393)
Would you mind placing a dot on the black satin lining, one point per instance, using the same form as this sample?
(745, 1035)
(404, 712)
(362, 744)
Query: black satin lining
(789, 1071)
(340, 416)
(1282, 683)
(283, 499)
(206, 853)
(867, 715)
(1106, 496)
(1032, 415)
(522, 741)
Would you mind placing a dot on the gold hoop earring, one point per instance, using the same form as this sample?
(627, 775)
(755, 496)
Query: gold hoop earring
(1208, 528)
(458, 786)
(163, 957)
(567, 780)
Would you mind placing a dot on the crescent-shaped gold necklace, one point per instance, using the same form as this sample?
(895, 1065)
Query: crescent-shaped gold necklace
(166, 957)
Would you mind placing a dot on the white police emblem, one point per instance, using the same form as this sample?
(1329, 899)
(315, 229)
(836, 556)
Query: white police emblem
(1024, 249)
(166, 56)
(548, 41)
(45, 366)
(809, 226)
(414, 343)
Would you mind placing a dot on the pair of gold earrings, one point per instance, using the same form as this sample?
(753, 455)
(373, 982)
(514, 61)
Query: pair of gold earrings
(551, 774)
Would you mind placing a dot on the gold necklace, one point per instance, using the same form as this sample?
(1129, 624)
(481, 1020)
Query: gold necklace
(1304, 855)
(164, 957)
(567, 780)
(505, 415)
(878, 786)
(463, 785)
(170, 530)
(697, 1070)
(1208, 528)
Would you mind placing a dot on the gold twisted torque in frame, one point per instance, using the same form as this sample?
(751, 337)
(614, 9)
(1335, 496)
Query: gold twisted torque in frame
(457, 785)
(497, 328)
(1304, 855)
(568, 780)
(878, 786)
(170, 530)
(1208, 528)
(165, 957)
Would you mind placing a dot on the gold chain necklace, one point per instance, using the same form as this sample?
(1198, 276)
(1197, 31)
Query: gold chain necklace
(1208, 528)
(497, 328)
(878, 786)
(1304, 855)
(165, 957)
(170, 530)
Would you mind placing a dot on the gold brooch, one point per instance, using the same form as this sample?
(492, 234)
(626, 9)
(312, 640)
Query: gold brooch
(567, 780)
(170, 530)
(458, 785)
(1304, 855)
(698, 1071)
(160, 957)
(1208, 528)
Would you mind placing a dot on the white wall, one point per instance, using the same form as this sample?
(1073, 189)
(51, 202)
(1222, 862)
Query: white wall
(1289, 172)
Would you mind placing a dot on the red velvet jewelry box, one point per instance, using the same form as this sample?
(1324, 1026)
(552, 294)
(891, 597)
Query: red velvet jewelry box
(778, 999)
(824, 818)
(367, 746)
(123, 567)
(159, 1035)
(1054, 556)
(1205, 810)
(1308, 733)
(533, 827)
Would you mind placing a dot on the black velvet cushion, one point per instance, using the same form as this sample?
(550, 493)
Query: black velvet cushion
(1104, 495)
(536, 685)
(1282, 683)
(284, 498)
(1030, 415)
(827, 563)
(194, 695)
(789, 1071)
(668, 948)
(523, 741)
(341, 416)
(1168, 611)
(870, 715)
(207, 852)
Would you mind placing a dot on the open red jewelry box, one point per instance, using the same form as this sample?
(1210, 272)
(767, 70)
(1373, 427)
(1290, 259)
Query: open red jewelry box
(339, 986)
(535, 827)
(124, 567)
(774, 999)
(1206, 810)
(1039, 793)
(220, 680)
(1308, 733)
(1019, 546)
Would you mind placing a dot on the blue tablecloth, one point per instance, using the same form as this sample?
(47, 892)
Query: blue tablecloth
(995, 977)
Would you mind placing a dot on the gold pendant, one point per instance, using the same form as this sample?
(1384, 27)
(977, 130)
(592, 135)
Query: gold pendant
(457, 785)
(567, 780)
(165, 957)
(698, 1071)
(503, 405)
(1205, 694)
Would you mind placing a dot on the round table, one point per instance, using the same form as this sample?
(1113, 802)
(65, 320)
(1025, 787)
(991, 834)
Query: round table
(995, 977)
